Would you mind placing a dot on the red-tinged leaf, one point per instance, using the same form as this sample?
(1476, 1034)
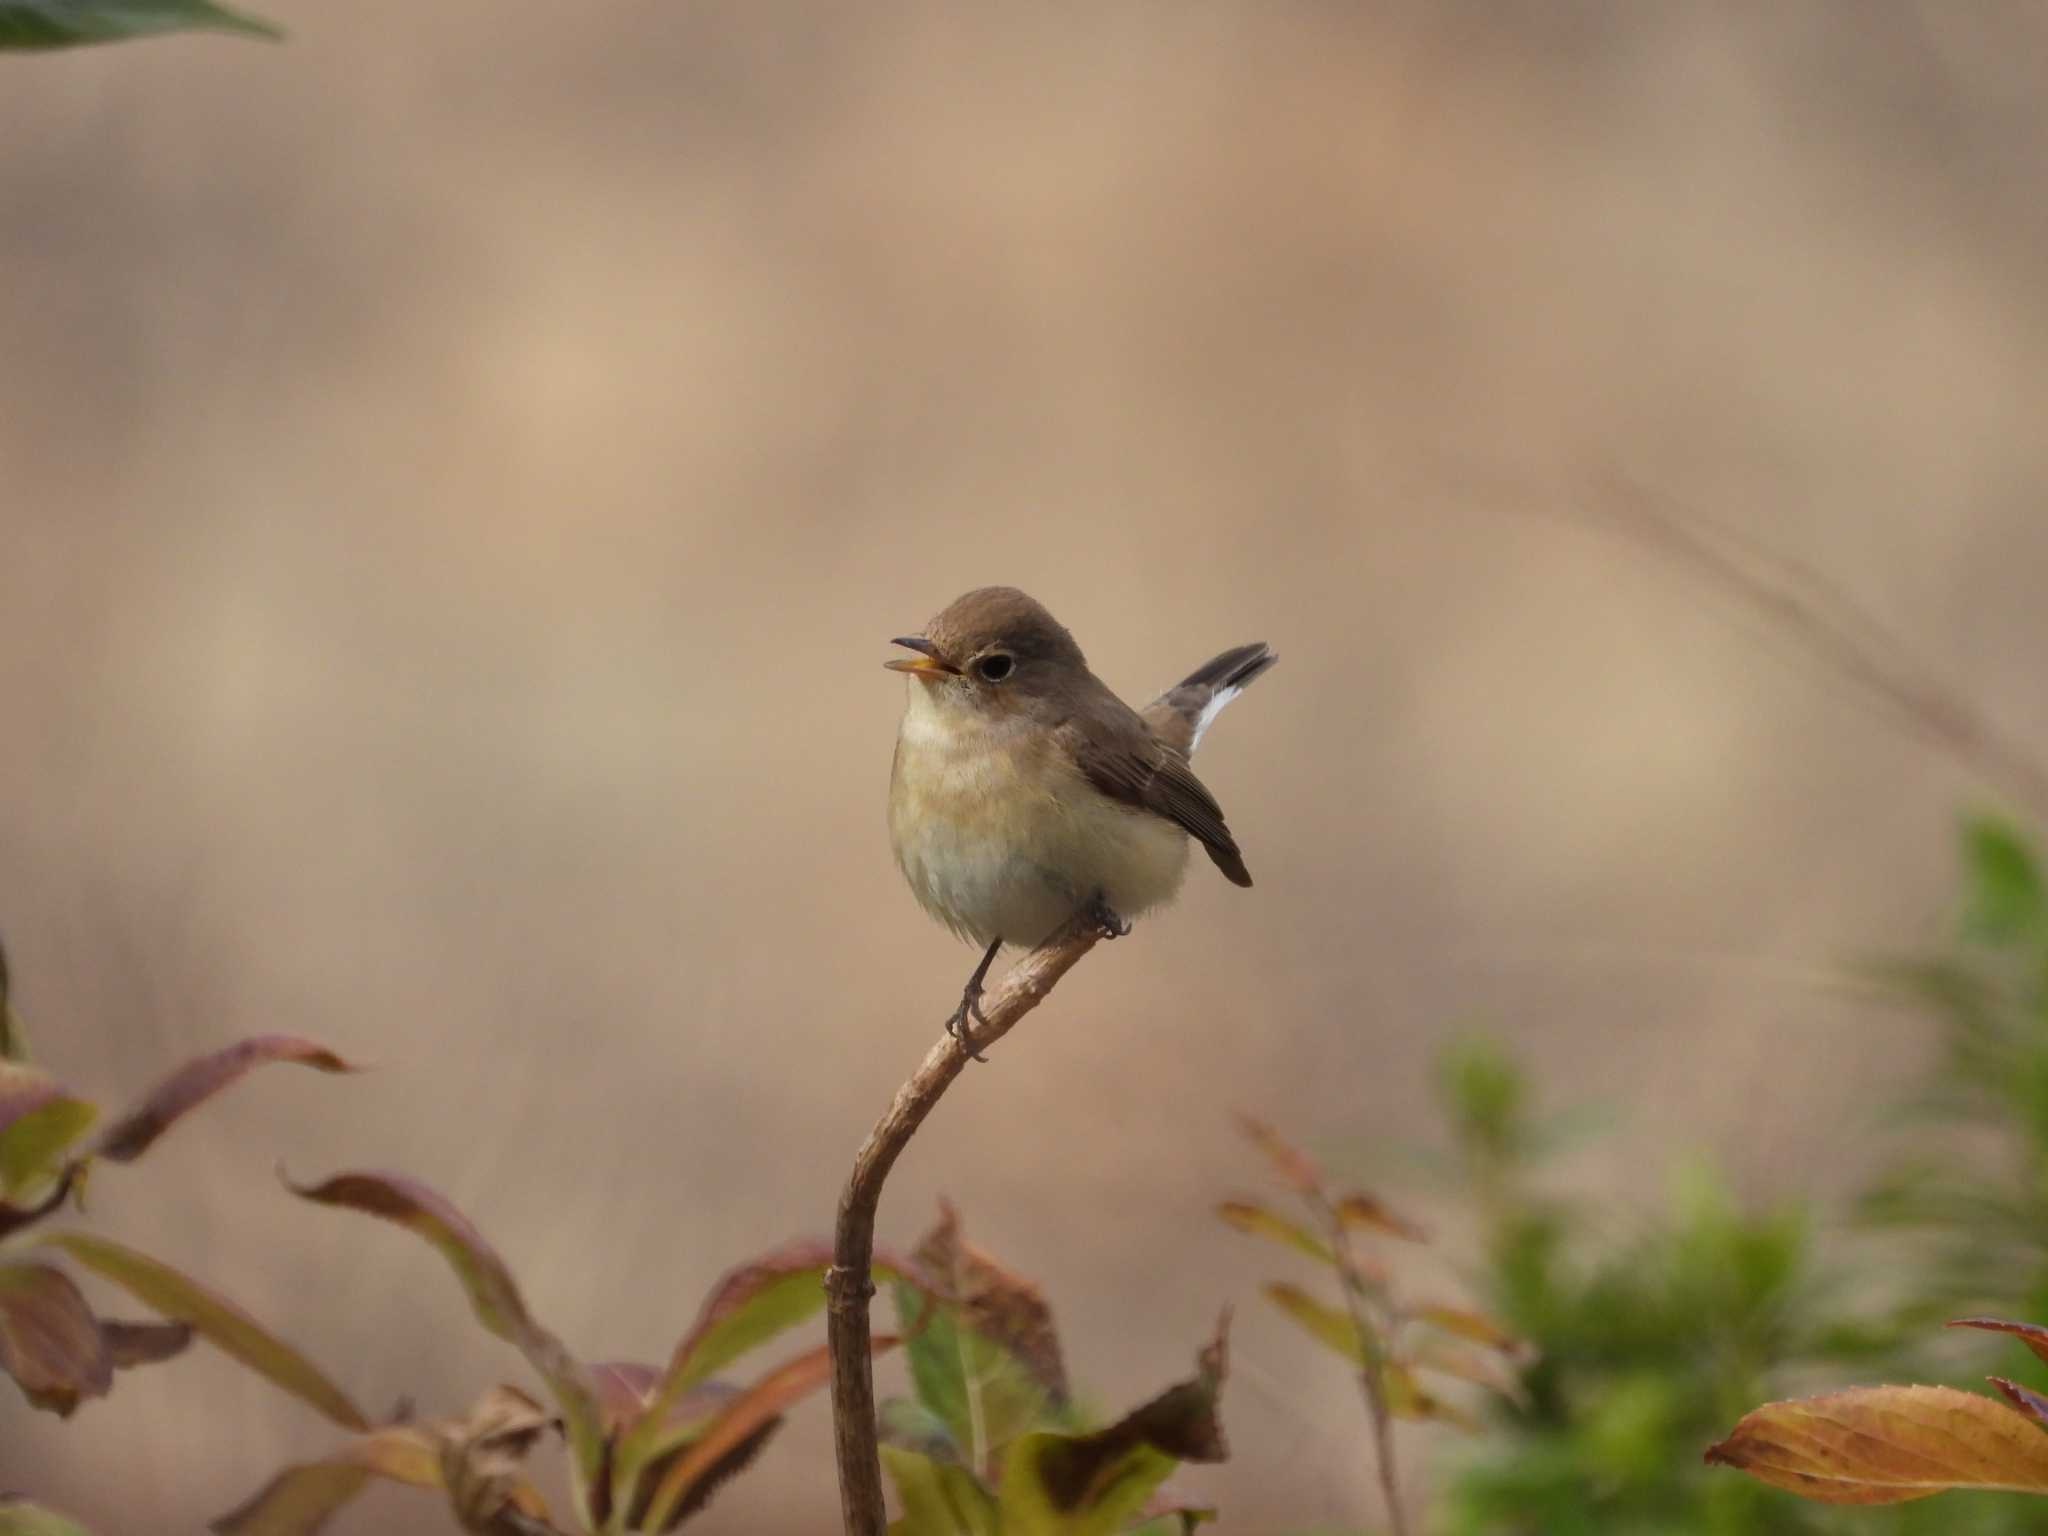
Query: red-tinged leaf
(182, 1299)
(1295, 1167)
(133, 1344)
(39, 1120)
(18, 1517)
(138, 1128)
(1884, 1445)
(1263, 1221)
(1328, 1325)
(2033, 1335)
(697, 1473)
(1467, 1324)
(748, 1305)
(303, 1498)
(1366, 1213)
(2026, 1399)
(493, 1295)
(49, 1340)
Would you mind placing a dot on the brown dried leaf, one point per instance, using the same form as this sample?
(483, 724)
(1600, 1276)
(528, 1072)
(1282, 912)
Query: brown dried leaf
(1366, 1213)
(997, 1303)
(1884, 1445)
(136, 1129)
(1295, 1167)
(2033, 1335)
(49, 1340)
(481, 1463)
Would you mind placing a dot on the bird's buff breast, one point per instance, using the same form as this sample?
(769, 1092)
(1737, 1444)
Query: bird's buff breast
(1001, 837)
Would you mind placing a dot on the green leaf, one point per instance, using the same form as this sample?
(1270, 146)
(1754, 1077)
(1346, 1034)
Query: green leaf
(984, 1354)
(1095, 1484)
(136, 1129)
(2006, 899)
(66, 23)
(182, 1299)
(1328, 1325)
(18, 1517)
(50, 1342)
(938, 1498)
(1263, 1221)
(303, 1497)
(39, 1120)
(709, 1461)
(493, 1296)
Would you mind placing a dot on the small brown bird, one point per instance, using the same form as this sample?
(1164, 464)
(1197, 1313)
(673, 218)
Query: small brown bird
(1025, 792)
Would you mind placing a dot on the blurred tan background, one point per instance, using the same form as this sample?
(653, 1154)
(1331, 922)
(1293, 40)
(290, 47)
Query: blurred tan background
(461, 468)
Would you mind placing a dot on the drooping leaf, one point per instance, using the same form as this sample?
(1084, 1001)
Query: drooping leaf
(938, 1498)
(1367, 1213)
(1883, 1445)
(493, 1295)
(50, 1342)
(39, 1120)
(177, 1296)
(1095, 1484)
(625, 1391)
(1263, 1221)
(302, 1498)
(1296, 1168)
(709, 1460)
(1328, 1325)
(66, 23)
(136, 1129)
(18, 1517)
(2033, 1335)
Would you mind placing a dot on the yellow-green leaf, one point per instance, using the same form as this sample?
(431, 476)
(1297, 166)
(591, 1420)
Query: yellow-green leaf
(1328, 1325)
(177, 1296)
(1263, 1221)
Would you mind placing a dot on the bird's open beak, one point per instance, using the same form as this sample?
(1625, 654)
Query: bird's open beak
(928, 663)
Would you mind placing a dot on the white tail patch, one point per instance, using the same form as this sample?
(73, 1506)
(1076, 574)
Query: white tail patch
(1210, 711)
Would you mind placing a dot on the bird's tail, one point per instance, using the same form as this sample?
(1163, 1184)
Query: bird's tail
(1180, 715)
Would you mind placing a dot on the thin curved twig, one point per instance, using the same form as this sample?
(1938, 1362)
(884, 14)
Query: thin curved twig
(848, 1284)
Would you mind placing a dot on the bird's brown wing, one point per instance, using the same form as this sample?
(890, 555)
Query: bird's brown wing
(1120, 756)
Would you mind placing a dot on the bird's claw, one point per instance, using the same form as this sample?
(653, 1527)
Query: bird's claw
(960, 1025)
(1108, 922)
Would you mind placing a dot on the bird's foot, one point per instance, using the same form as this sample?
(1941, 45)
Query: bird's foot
(960, 1025)
(1108, 922)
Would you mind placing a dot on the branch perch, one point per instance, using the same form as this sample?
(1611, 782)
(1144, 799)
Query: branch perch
(848, 1283)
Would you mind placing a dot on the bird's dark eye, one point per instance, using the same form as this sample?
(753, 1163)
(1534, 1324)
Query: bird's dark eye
(993, 669)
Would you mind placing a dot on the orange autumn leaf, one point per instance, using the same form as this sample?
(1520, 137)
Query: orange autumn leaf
(1884, 1445)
